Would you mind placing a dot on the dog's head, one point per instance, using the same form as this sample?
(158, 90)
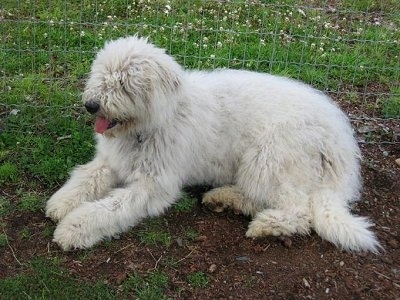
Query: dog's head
(132, 85)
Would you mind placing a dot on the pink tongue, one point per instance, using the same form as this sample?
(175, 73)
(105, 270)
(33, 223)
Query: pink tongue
(101, 125)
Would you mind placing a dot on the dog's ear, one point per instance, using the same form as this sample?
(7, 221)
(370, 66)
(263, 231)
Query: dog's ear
(167, 77)
(145, 76)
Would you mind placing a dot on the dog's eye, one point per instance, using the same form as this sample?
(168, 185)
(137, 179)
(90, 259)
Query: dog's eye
(121, 82)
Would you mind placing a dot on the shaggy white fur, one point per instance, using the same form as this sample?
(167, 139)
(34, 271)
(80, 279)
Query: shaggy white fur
(277, 150)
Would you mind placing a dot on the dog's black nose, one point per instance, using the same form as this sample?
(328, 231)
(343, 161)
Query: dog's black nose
(92, 106)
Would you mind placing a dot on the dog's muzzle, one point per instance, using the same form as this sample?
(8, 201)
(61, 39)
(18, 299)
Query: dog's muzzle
(92, 107)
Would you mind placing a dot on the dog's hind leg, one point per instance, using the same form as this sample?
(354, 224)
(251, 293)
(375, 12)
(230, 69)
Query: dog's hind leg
(228, 197)
(290, 216)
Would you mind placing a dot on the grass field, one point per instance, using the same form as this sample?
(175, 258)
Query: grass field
(46, 47)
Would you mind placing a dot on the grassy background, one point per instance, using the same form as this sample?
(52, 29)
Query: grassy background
(351, 51)
(46, 47)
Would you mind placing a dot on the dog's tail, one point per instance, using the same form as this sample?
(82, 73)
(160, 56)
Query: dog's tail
(332, 220)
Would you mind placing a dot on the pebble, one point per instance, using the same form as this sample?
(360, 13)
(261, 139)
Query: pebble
(14, 112)
(306, 284)
(120, 278)
(341, 263)
(393, 243)
(242, 258)
(212, 268)
(397, 161)
(201, 238)
(385, 153)
(365, 129)
(179, 241)
(287, 242)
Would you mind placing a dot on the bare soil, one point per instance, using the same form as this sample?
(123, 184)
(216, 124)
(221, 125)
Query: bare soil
(237, 267)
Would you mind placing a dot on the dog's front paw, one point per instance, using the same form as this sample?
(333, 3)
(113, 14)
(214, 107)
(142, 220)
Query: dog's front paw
(58, 207)
(63, 202)
(73, 233)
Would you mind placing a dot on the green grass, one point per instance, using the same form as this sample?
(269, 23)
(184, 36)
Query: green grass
(191, 234)
(152, 233)
(45, 279)
(198, 279)
(148, 287)
(3, 240)
(8, 172)
(25, 233)
(5, 206)
(48, 49)
(31, 202)
(391, 105)
(185, 204)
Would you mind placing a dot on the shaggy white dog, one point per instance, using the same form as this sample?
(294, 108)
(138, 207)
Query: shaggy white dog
(276, 149)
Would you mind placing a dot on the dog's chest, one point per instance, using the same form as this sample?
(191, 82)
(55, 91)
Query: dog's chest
(129, 156)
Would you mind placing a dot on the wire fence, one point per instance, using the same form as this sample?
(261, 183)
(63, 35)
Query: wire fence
(350, 50)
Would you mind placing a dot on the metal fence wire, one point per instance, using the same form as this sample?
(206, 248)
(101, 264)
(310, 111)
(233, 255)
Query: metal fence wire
(350, 50)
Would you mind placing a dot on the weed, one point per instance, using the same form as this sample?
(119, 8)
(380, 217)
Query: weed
(24, 233)
(150, 287)
(191, 234)
(48, 230)
(8, 172)
(155, 237)
(3, 153)
(153, 234)
(85, 255)
(31, 202)
(171, 262)
(198, 279)
(250, 281)
(3, 240)
(185, 204)
(391, 105)
(5, 206)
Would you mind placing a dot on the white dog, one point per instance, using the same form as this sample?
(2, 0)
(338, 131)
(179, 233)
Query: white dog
(274, 148)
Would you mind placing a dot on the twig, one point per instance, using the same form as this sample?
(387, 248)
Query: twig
(185, 256)
(383, 275)
(12, 250)
(157, 261)
(123, 248)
